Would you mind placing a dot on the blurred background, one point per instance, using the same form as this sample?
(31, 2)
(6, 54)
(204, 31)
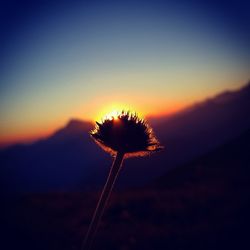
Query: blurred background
(183, 66)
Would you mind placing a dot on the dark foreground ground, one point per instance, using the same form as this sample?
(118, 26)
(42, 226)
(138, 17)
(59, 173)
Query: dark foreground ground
(203, 205)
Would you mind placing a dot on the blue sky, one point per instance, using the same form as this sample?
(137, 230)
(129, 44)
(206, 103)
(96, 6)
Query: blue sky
(63, 59)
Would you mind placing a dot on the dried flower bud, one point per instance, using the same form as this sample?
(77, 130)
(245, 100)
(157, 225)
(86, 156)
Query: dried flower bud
(126, 133)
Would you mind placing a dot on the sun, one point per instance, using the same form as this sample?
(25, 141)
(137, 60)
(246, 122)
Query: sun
(112, 111)
(112, 115)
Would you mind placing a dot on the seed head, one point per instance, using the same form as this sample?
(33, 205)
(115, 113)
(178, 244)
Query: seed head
(126, 133)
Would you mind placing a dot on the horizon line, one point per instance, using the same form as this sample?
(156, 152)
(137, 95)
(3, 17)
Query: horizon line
(34, 137)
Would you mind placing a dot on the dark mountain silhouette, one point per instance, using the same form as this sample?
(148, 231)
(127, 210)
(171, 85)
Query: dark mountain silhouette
(66, 160)
(193, 132)
(70, 160)
(203, 204)
(200, 205)
(73, 129)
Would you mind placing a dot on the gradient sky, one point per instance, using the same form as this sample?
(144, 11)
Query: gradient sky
(64, 59)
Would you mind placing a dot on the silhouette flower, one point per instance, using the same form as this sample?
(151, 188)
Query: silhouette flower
(126, 133)
(123, 136)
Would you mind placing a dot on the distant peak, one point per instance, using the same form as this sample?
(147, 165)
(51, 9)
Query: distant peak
(246, 87)
(229, 95)
(73, 127)
(75, 122)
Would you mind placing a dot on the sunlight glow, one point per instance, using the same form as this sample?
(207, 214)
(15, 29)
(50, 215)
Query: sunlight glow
(112, 115)
(113, 111)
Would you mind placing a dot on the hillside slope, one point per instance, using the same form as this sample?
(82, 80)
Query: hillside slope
(69, 160)
(202, 205)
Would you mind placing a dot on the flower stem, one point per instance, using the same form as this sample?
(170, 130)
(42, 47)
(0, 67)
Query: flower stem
(114, 171)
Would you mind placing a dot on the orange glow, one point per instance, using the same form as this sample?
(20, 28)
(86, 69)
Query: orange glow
(144, 106)
(27, 134)
(112, 111)
(112, 115)
(22, 138)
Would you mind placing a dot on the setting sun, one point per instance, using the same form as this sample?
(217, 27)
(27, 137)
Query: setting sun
(113, 115)
(112, 111)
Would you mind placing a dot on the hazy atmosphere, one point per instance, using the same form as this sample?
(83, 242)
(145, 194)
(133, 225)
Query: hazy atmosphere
(82, 59)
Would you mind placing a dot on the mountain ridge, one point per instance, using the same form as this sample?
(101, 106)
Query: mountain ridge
(70, 160)
(201, 205)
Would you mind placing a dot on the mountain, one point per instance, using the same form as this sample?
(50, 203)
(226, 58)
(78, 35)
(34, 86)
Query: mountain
(193, 132)
(203, 204)
(63, 161)
(73, 129)
(69, 160)
(228, 164)
(204, 126)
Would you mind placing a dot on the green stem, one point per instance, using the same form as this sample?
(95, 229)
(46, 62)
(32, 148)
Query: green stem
(114, 171)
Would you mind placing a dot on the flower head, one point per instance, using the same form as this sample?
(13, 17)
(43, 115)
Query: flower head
(125, 133)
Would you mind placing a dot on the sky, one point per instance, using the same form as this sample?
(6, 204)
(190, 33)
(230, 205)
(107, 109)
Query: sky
(82, 59)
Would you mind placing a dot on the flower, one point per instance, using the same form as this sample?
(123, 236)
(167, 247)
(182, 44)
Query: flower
(126, 133)
(123, 135)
